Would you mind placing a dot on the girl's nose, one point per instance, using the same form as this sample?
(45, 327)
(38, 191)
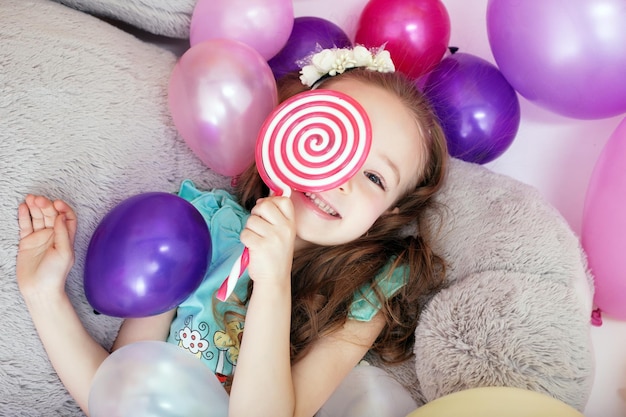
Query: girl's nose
(346, 187)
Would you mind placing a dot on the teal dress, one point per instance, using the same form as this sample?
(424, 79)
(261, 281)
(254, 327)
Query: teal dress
(196, 328)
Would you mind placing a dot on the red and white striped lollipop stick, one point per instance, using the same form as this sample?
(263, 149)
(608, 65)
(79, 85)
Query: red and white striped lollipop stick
(315, 141)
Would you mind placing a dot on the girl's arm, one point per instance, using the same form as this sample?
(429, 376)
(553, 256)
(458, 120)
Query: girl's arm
(74, 354)
(262, 384)
(144, 328)
(265, 383)
(45, 257)
(319, 373)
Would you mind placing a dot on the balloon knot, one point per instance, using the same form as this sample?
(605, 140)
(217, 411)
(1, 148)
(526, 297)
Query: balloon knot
(596, 317)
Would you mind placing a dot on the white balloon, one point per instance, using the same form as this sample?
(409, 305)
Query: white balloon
(155, 379)
(368, 391)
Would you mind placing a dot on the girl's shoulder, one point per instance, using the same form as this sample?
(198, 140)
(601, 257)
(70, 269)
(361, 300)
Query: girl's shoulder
(209, 200)
(190, 192)
(220, 209)
(366, 304)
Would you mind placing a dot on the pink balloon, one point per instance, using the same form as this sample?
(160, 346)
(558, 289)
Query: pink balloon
(567, 56)
(265, 25)
(415, 32)
(220, 93)
(604, 225)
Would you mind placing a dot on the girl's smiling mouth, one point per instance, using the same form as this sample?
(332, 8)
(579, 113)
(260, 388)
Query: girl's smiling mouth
(321, 205)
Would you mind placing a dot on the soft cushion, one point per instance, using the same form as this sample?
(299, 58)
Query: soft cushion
(516, 310)
(83, 109)
(518, 307)
(160, 17)
(84, 118)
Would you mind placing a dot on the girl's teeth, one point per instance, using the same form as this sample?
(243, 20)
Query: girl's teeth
(321, 205)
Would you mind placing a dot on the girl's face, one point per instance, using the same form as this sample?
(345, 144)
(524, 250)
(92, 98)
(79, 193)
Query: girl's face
(395, 160)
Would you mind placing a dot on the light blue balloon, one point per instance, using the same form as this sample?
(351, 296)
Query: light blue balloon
(155, 379)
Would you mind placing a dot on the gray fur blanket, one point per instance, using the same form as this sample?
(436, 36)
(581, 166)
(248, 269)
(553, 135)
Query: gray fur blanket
(84, 117)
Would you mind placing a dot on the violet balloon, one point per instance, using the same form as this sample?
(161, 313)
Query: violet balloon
(264, 25)
(416, 32)
(478, 109)
(148, 254)
(603, 233)
(567, 56)
(307, 35)
(220, 93)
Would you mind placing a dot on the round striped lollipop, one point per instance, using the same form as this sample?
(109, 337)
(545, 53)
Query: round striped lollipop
(314, 141)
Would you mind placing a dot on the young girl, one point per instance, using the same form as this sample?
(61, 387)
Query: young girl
(332, 275)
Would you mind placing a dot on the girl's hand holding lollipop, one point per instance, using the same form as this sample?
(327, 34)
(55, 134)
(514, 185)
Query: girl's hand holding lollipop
(315, 141)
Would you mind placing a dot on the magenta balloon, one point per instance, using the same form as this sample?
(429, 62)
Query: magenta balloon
(604, 225)
(220, 93)
(567, 56)
(264, 25)
(478, 109)
(307, 35)
(415, 32)
(148, 254)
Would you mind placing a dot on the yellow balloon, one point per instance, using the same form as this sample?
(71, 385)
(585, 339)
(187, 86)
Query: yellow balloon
(496, 402)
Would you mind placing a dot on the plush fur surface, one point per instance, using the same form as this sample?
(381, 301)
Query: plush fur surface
(518, 306)
(83, 109)
(159, 17)
(84, 118)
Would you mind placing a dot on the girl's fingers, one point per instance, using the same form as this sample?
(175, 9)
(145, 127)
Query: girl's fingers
(285, 205)
(258, 225)
(274, 209)
(48, 211)
(36, 216)
(62, 239)
(38, 213)
(263, 209)
(70, 218)
(42, 212)
(24, 220)
(271, 218)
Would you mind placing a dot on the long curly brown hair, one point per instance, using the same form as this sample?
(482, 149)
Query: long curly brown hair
(325, 279)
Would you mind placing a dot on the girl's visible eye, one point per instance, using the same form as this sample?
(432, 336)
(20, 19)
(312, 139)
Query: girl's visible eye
(375, 179)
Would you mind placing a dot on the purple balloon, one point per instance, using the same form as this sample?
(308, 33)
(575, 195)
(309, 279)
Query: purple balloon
(148, 254)
(307, 34)
(478, 109)
(568, 56)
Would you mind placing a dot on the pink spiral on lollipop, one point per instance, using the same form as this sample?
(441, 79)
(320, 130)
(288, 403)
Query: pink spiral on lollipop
(314, 141)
